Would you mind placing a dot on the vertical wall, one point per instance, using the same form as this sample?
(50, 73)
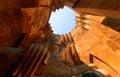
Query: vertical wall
(96, 43)
(99, 7)
(19, 17)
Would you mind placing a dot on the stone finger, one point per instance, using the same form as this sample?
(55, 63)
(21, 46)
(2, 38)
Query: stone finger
(46, 58)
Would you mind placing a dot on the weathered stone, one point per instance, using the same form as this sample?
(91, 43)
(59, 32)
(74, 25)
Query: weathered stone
(99, 7)
(93, 40)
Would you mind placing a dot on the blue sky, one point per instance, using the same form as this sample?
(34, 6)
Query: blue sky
(62, 20)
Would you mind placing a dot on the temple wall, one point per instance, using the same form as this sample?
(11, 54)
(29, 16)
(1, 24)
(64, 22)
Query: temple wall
(96, 43)
(99, 7)
(95, 39)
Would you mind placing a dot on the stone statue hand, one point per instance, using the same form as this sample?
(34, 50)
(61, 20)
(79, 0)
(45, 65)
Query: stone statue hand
(33, 61)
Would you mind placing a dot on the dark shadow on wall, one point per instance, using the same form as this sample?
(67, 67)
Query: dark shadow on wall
(112, 23)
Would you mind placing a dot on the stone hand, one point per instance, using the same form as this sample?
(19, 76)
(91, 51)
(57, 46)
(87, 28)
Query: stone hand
(34, 58)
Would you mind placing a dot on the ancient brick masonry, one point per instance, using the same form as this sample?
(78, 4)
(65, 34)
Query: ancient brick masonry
(8, 18)
(101, 44)
(24, 23)
(93, 46)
